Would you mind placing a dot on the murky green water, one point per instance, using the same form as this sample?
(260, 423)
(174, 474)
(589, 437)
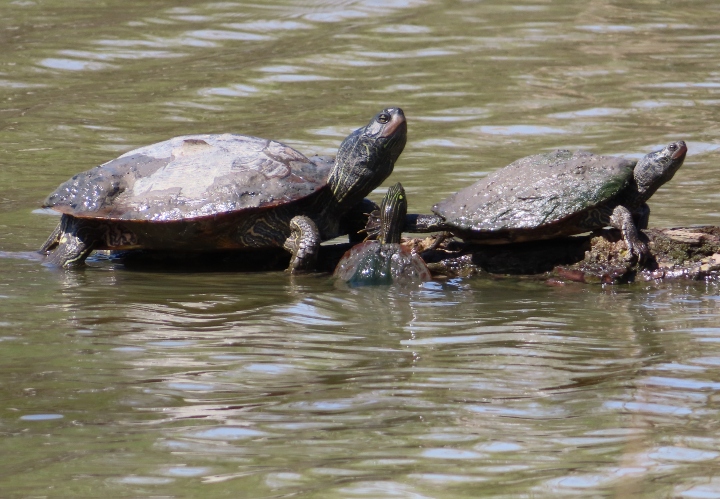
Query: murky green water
(121, 383)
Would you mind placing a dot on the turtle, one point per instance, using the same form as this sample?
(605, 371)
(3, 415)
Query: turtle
(385, 260)
(209, 192)
(556, 194)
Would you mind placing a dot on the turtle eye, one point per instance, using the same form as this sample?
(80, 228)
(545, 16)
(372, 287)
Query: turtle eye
(673, 147)
(383, 118)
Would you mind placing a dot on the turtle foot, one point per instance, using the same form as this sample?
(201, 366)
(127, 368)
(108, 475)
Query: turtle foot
(360, 223)
(373, 227)
(622, 219)
(639, 250)
(303, 243)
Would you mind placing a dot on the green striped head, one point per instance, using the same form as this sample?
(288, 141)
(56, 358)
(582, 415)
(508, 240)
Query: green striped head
(367, 157)
(392, 215)
(658, 167)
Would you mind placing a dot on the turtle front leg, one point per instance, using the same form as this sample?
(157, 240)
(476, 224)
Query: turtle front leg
(622, 220)
(73, 242)
(303, 243)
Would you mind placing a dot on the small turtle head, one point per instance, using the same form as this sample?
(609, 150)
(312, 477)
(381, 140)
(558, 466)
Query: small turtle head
(367, 156)
(392, 215)
(658, 167)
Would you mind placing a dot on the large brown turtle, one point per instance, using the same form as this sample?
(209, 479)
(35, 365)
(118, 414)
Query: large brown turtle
(556, 194)
(214, 192)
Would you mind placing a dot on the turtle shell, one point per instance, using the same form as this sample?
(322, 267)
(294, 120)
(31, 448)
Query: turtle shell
(372, 263)
(537, 191)
(192, 177)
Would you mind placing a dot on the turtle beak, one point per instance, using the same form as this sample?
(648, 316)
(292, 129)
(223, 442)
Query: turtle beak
(397, 123)
(681, 150)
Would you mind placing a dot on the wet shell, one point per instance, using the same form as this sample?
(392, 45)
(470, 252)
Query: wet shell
(191, 177)
(537, 191)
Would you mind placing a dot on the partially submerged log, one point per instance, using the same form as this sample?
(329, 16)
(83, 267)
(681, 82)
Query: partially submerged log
(602, 257)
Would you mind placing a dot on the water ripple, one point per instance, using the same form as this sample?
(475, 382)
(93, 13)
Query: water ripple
(518, 130)
(218, 34)
(73, 64)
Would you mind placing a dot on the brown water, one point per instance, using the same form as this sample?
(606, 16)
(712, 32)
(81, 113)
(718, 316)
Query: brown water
(121, 383)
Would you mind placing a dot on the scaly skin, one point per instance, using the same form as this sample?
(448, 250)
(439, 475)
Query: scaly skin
(303, 243)
(75, 242)
(385, 224)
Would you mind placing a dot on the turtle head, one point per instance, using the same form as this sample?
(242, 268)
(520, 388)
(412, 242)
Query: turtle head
(367, 157)
(392, 215)
(658, 167)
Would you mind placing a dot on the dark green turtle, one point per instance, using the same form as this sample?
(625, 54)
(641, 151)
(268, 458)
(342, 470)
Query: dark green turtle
(215, 192)
(384, 261)
(556, 194)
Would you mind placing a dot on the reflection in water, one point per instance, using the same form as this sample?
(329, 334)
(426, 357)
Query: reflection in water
(446, 386)
(523, 384)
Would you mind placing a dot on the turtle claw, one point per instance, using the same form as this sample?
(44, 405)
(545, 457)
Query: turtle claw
(372, 229)
(639, 250)
(622, 220)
